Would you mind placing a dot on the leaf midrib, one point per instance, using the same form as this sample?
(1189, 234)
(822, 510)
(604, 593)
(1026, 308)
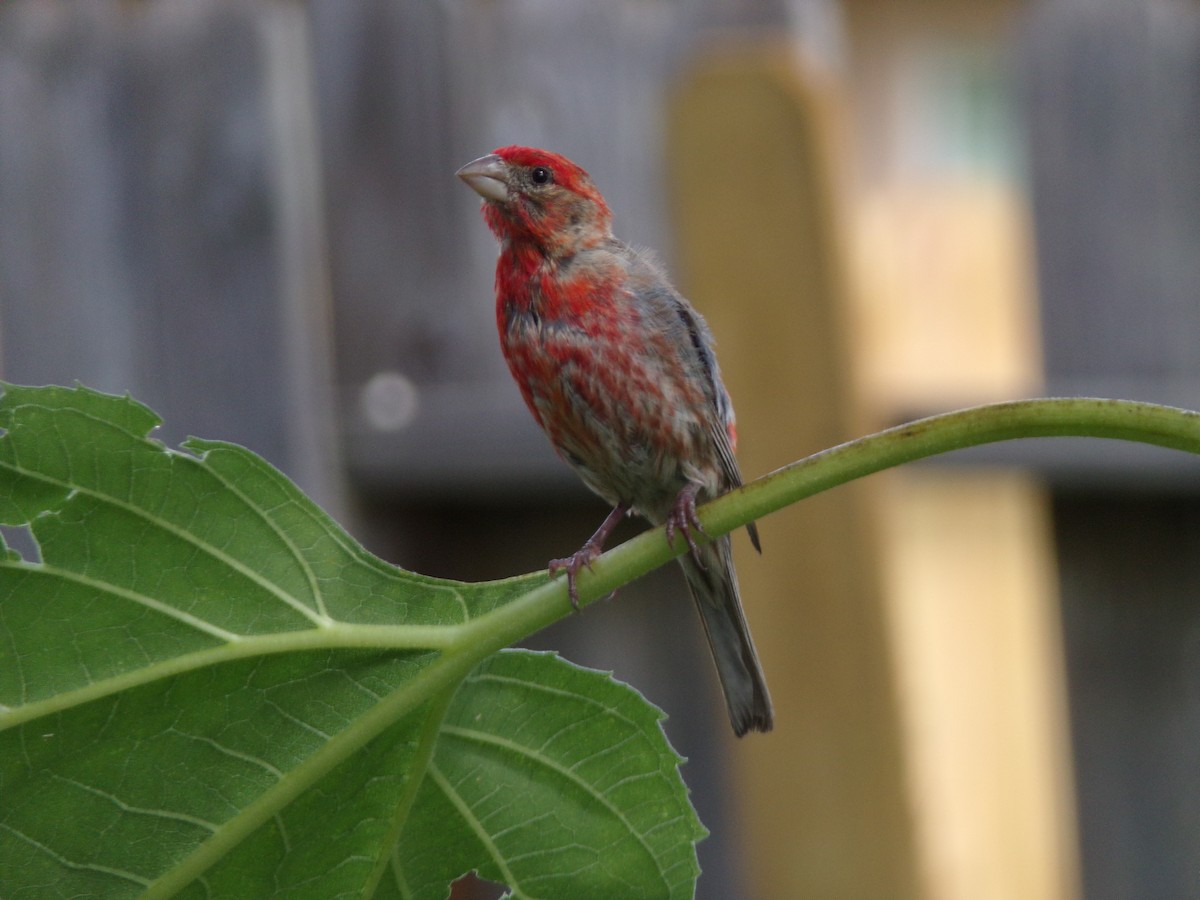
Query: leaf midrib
(444, 675)
(336, 636)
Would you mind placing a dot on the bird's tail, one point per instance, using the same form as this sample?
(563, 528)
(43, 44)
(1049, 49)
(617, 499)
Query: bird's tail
(714, 587)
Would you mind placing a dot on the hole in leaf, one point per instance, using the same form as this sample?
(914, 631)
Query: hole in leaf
(472, 887)
(19, 538)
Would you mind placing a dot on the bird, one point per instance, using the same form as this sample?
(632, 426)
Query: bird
(619, 371)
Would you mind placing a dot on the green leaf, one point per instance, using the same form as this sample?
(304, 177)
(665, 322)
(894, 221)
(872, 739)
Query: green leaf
(587, 751)
(207, 688)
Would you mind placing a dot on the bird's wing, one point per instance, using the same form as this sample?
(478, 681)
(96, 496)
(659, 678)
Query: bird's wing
(695, 342)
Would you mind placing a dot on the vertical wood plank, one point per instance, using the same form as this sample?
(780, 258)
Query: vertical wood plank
(976, 633)
(160, 226)
(907, 623)
(825, 797)
(945, 315)
(1113, 111)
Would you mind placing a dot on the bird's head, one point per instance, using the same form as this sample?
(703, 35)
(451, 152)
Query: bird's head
(539, 197)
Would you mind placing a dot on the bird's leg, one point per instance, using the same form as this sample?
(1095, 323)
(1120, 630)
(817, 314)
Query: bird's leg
(683, 516)
(587, 554)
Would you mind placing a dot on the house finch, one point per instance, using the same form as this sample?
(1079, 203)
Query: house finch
(619, 371)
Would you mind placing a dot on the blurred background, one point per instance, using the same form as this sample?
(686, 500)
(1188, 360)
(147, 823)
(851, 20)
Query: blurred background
(987, 667)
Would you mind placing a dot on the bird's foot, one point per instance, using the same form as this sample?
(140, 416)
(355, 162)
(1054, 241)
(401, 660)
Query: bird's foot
(580, 559)
(682, 517)
(586, 555)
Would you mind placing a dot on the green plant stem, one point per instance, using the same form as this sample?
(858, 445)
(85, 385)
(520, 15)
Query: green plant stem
(1125, 420)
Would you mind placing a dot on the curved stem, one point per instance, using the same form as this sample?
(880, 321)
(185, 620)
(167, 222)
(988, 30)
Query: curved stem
(1125, 420)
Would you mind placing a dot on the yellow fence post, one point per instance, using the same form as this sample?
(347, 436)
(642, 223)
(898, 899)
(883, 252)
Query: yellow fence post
(907, 623)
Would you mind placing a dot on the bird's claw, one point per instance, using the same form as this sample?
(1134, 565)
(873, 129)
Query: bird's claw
(683, 517)
(587, 554)
(582, 558)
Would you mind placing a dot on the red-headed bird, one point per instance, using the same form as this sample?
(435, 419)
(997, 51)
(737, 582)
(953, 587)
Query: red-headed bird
(619, 371)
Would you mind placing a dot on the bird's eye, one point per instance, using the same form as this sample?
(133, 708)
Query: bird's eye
(541, 175)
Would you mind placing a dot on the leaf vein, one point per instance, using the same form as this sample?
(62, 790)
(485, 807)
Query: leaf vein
(229, 751)
(474, 824)
(570, 775)
(556, 692)
(301, 559)
(183, 534)
(71, 864)
(174, 612)
(137, 810)
(300, 723)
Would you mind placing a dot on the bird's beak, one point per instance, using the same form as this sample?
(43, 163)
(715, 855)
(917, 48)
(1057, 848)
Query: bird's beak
(487, 176)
